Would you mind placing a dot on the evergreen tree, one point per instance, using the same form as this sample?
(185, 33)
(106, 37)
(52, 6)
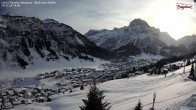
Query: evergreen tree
(138, 106)
(4, 57)
(188, 62)
(94, 101)
(82, 87)
(133, 70)
(192, 71)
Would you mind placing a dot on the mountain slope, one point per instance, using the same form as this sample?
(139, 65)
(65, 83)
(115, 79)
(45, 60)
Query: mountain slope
(139, 33)
(49, 38)
(188, 41)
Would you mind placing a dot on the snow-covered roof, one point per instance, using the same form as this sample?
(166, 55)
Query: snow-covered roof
(16, 102)
(11, 92)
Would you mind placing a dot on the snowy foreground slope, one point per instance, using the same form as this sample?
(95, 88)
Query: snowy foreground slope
(125, 93)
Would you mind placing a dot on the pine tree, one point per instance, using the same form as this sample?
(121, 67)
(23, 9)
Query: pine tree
(94, 101)
(82, 87)
(192, 71)
(138, 106)
(133, 70)
(188, 62)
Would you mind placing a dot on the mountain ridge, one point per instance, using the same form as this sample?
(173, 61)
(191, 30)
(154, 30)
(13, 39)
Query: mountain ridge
(188, 41)
(138, 32)
(49, 38)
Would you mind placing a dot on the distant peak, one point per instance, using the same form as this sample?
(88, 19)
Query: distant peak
(93, 32)
(9, 14)
(49, 21)
(137, 22)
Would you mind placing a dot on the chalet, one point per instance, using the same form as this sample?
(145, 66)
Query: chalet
(41, 99)
(33, 92)
(27, 94)
(75, 85)
(50, 93)
(138, 73)
(62, 83)
(20, 95)
(18, 90)
(37, 95)
(38, 87)
(4, 97)
(3, 94)
(10, 92)
(28, 101)
(13, 97)
(8, 105)
(44, 94)
(16, 102)
(5, 100)
(62, 90)
(164, 70)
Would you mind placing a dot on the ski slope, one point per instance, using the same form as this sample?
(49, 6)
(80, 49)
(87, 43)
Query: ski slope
(124, 94)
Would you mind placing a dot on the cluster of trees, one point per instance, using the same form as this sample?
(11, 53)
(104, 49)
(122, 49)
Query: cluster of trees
(24, 47)
(85, 57)
(21, 62)
(159, 64)
(172, 59)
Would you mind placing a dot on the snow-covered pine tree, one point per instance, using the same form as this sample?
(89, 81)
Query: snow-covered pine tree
(138, 106)
(188, 62)
(95, 100)
(192, 71)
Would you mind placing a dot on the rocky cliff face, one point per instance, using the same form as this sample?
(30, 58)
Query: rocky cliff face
(23, 37)
(138, 35)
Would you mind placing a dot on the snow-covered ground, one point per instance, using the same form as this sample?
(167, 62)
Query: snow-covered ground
(124, 94)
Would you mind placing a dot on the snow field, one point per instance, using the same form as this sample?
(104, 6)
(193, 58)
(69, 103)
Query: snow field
(125, 93)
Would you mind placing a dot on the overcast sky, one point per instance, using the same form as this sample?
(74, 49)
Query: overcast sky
(83, 15)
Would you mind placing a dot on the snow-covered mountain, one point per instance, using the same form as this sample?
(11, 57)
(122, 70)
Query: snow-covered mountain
(21, 37)
(188, 41)
(136, 38)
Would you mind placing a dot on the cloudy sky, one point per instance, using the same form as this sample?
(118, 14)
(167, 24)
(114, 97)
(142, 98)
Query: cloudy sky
(83, 15)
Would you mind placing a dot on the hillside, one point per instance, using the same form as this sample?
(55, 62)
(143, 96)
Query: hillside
(22, 37)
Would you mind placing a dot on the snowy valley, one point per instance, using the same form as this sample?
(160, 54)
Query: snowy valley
(47, 65)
